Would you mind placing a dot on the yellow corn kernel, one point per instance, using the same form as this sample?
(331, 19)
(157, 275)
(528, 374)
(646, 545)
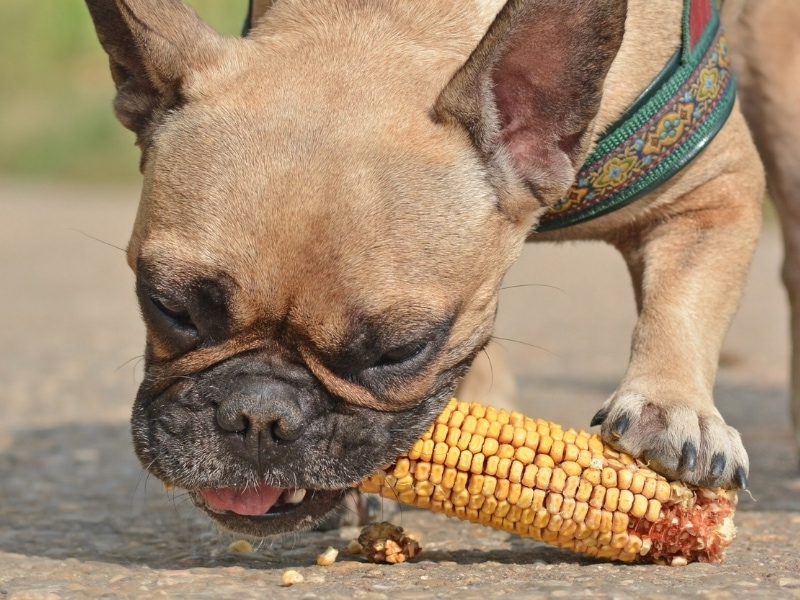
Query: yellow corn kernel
(489, 485)
(422, 472)
(529, 476)
(424, 488)
(501, 490)
(436, 474)
(553, 503)
(584, 492)
(637, 484)
(608, 477)
(639, 508)
(401, 467)
(506, 451)
(525, 497)
(464, 461)
(663, 490)
(477, 463)
(475, 484)
(625, 502)
(543, 478)
(503, 467)
(515, 472)
(460, 482)
(514, 493)
(506, 434)
(612, 499)
(579, 514)
(539, 496)
(490, 446)
(453, 454)
(597, 497)
(524, 455)
(475, 443)
(649, 488)
(558, 480)
(653, 510)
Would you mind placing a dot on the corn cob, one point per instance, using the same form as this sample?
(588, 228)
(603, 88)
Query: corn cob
(566, 488)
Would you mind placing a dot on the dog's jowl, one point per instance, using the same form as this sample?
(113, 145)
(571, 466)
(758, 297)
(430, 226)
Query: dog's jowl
(331, 202)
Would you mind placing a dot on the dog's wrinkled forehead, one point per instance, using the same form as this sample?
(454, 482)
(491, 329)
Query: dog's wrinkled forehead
(294, 185)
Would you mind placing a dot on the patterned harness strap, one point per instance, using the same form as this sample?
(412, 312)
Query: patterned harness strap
(669, 124)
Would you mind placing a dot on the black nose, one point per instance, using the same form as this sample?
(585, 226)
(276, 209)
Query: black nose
(261, 413)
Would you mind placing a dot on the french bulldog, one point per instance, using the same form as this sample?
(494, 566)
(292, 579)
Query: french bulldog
(330, 204)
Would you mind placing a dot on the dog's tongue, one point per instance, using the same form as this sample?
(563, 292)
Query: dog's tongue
(252, 500)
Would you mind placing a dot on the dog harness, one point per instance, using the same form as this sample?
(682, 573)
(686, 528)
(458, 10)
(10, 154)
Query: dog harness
(678, 114)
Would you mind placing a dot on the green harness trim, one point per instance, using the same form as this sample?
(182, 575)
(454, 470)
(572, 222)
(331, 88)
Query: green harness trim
(668, 125)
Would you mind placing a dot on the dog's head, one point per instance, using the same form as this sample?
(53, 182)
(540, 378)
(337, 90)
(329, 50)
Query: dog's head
(329, 207)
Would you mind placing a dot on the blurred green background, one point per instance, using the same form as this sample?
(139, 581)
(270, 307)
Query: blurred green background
(56, 120)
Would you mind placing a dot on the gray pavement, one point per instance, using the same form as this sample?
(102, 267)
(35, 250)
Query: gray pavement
(78, 518)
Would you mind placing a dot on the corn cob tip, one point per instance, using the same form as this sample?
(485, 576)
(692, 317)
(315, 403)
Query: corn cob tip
(567, 488)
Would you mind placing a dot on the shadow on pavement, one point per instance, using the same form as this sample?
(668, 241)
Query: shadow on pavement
(77, 491)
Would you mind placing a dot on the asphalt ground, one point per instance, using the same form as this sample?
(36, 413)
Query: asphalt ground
(79, 518)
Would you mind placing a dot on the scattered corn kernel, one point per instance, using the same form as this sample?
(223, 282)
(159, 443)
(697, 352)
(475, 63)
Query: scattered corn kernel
(291, 577)
(328, 557)
(240, 547)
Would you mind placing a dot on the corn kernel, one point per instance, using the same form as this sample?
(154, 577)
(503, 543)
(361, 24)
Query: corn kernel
(557, 480)
(529, 476)
(639, 508)
(475, 443)
(653, 510)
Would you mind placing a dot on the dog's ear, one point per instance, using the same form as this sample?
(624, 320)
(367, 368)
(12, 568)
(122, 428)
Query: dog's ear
(529, 94)
(255, 10)
(152, 46)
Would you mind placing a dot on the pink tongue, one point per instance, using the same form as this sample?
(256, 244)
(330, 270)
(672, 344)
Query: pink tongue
(243, 501)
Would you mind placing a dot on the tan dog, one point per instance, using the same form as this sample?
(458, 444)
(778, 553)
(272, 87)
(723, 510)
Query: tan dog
(331, 203)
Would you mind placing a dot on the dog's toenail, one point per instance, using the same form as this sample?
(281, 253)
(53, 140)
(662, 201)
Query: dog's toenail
(717, 465)
(599, 417)
(740, 478)
(620, 426)
(689, 456)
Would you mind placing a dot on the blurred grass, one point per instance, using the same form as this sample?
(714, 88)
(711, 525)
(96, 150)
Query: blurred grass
(56, 120)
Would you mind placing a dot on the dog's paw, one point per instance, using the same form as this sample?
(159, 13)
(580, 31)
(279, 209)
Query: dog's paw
(695, 446)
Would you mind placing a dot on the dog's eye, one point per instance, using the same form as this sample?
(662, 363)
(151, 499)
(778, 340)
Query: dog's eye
(400, 354)
(172, 309)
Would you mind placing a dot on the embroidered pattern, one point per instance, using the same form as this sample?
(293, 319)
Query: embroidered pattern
(638, 156)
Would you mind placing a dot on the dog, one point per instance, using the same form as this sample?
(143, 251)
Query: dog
(331, 202)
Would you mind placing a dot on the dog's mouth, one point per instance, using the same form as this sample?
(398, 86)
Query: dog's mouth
(263, 510)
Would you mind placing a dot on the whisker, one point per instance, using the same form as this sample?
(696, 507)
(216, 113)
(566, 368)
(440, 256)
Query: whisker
(524, 285)
(139, 356)
(494, 337)
(91, 237)
(491, 367)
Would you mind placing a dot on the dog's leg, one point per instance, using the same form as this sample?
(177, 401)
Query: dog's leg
(766, 55)
(783, 175)
(688, 271)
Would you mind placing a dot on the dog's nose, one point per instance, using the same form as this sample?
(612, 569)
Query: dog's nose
(261, 411)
